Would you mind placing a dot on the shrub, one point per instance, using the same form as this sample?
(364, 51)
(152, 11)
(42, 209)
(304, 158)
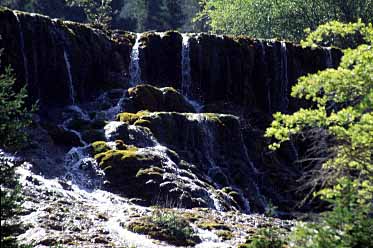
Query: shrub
(167, 226)
(266, 238)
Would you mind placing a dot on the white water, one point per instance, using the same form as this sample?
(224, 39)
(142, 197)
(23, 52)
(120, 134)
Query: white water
(284, 70)
(22, 45)
(70, 77)
(135, 69)
(186, 79)
(328, 57)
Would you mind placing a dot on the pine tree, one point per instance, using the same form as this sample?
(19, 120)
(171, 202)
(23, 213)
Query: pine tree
(15, 117)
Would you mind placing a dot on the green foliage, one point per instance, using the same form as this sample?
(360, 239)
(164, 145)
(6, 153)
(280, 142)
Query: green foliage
(343, 100)
(14, 120)
(10, 201)
(340, 35)
(14, 115)
(132, 15)
(348, 225)
(266, 238)
(175, 225)
(98, 12)
(166, 225)
(281, 19)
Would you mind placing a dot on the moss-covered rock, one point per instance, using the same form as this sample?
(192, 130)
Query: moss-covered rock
(114, 158)
(213, 225)
(131, 118)
(147, 97)
(99, 147)
(224, 234)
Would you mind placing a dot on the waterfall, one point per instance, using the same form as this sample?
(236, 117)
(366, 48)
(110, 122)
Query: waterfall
(268, 87)
(68, 69)
(284, 76)
(135, 69)
(186, 79)
(22, 44)
(328, 57)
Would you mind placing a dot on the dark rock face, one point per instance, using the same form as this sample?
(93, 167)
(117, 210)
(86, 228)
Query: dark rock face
(51, 55)
(239, 70)
(161, 58)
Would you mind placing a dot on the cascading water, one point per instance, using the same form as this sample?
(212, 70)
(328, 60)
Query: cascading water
(284, 76)
(69, 76)
(135, 69)
(186, 79)
(328, 57)
(22, 45)
(134, 77)
(186, 74)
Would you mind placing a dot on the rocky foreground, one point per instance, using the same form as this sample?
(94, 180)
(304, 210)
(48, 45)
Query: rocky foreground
(57, 213)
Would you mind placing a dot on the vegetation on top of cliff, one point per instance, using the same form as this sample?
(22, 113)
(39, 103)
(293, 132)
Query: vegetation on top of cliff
(340, 130)
(280, 19)
(99, 13)
(132, 15)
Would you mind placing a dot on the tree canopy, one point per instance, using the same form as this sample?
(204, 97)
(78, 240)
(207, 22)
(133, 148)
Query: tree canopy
(342, 118)
(280, 19)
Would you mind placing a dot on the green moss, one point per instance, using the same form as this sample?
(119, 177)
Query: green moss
(99, 147)
(213, 225)
(191, 216)
(224, 234)
(131, 118)
(105, 159)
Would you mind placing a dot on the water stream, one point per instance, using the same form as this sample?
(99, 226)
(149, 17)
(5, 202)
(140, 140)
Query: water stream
(185, 67)
(69, 76)
(22, 45)
(135, 69)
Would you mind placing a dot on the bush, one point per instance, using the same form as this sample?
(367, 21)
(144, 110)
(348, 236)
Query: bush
(347, 225)
(167, 226)
(266, 238)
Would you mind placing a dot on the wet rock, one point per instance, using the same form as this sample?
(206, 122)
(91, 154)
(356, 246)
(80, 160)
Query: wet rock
(50, 45)
(160, 58)
(61, 136)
